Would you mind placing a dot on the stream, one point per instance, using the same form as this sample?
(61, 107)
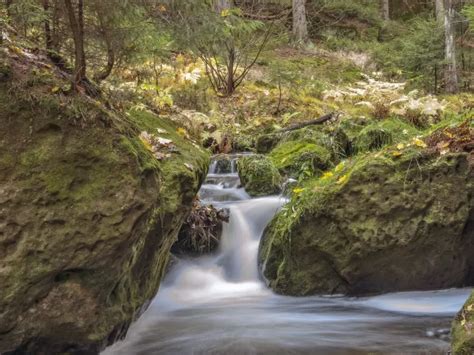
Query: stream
(218, 304)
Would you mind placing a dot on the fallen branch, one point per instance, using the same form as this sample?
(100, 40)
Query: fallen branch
(317, 121)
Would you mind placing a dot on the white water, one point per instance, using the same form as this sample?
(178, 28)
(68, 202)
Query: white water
(218, 305)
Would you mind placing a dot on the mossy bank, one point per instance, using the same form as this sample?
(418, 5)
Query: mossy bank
(398, 219)
(88, 213)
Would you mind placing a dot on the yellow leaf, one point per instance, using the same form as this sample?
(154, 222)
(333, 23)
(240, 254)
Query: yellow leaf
(419, 143)
(463, 322)
(327, 175)
(339, 167)
(298, 190)
(225, 13)
(400, 146)
(470, 308)
(55, 89)
(182, 132)
(450, 135)
(397, 154)
(342, 180)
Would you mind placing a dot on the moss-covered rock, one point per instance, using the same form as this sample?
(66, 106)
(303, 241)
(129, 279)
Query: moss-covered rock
(377, 223)
(259, 176)
(462, 329)
(300, 159)
(265, 143)
(380, 134)
(88, 214)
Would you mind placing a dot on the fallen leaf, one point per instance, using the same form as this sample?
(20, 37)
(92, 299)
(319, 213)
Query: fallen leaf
(339, 167)
(342, 180)
(419, 143)
(298, 190)
(327, 175)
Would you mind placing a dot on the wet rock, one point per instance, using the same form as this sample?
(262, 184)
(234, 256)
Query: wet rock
(259, 176)
(301, 159)
(87, 218)
(463, 329)
(386, 225)
(267, 142)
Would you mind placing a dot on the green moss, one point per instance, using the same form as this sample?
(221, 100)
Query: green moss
(380, 134)
(320, 240)
(99, 212)
(259, 176)
(301, 159)
(462, 335)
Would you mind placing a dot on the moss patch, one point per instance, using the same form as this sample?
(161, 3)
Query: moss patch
(300, 159)
(462, 329)
(376, 211)
(259, 176)
(380, 134)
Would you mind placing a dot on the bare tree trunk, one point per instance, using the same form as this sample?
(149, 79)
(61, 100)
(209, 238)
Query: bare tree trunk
(104, 30)
(221, 5)
(8, 4)
(77, 28)
(385, 9)
(451, 75)
(439, 8)
(47, 27)
(230, 72)
(300, 25)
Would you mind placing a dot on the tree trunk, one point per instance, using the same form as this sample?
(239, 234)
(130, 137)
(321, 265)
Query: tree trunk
(47, 27)
(221, 5)
(300, 26)
(104, 74)
(77, 29)
(230, 72)
(439, 9)
(385, 9)
(451, 75)
(8, 4)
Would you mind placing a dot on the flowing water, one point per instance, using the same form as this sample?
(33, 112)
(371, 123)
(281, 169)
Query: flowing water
(218, 305)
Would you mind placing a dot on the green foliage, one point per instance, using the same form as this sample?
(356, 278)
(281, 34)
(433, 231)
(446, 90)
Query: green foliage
(379, 134)
(228, 43)
(259, 175)
(300, 159)
(469, 13)
(340, 18)
(418, 53)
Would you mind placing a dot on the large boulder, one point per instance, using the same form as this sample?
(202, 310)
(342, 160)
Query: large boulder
(463, 329)
(259, 176)
(384, 222)
(90, 204)
(300, 159)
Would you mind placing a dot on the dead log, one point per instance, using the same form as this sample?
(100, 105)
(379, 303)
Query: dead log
(318, 121)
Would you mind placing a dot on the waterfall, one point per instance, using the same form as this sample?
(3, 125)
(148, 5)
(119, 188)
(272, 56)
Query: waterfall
(217, 304)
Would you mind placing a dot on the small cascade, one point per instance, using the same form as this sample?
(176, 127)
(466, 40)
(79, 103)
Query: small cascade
(217, 304)
(222, 182)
